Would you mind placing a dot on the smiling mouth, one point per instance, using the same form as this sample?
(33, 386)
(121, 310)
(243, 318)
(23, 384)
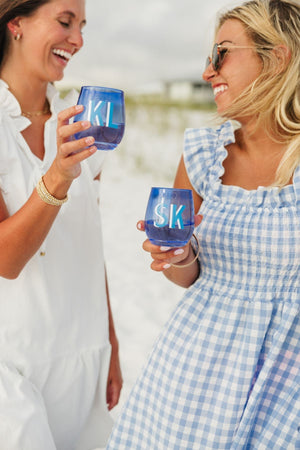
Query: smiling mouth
(63, 54)
(220, 89)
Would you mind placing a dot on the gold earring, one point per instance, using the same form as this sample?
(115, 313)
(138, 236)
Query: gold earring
(17, 37)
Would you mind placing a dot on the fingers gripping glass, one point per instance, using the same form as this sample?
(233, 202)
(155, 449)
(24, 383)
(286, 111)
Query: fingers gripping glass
(219, 53)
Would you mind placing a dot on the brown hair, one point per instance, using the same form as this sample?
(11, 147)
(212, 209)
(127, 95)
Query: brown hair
(9, 9)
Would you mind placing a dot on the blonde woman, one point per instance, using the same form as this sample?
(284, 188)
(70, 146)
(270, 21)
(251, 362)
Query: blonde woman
(225, 372)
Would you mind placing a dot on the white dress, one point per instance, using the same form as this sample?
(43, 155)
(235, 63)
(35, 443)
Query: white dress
(54, 340)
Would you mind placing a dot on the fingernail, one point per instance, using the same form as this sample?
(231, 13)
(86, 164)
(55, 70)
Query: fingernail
(79, 107)
(85, 124)
(167, 266)
(90, 140)
(139, 226)
(164, 249)
(179, 251)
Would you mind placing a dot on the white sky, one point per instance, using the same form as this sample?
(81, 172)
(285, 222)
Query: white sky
(133, 43)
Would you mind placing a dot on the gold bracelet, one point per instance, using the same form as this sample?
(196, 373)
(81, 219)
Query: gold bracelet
(45, 195)
(191, 262)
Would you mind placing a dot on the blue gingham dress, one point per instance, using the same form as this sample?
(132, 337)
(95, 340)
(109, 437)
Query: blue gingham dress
(225, 372)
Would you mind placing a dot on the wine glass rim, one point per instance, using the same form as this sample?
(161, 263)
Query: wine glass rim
(170, 189)
(103, 89)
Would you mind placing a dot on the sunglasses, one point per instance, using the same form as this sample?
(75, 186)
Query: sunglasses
(220, 51)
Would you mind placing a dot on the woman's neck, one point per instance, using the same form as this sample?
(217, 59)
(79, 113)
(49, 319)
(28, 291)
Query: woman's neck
(258, 142)
(30, 93)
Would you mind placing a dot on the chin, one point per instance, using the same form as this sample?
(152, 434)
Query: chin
(59, 77)
(56, 75)
(221, 110)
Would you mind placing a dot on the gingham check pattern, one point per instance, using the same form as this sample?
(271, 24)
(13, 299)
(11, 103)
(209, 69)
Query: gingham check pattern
(225, 372)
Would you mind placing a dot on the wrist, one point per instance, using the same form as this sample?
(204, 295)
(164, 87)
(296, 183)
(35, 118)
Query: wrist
(56, 185)
(188, 259)
(191, 258)
(46, 197)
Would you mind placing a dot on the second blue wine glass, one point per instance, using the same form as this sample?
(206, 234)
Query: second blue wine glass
(169, 219)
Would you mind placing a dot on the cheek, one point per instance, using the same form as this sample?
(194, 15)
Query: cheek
(253, 75)
(254, 67)
(245, 78)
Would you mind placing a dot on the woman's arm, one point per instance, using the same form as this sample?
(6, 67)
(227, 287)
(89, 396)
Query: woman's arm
(114, 380)
(162, 259)
(22, 234)
(182, 181)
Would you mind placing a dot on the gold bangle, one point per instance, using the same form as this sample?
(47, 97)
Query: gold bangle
(45, 195)
(191, 262)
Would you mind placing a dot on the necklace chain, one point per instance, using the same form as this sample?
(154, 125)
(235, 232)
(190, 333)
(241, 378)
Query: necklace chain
(45, 111)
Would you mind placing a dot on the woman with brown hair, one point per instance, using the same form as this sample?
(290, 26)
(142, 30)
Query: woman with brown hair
(59, 367)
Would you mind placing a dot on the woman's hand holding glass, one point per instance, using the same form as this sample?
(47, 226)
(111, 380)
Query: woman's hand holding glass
(70, 152)
(164, 256)
(169, 225)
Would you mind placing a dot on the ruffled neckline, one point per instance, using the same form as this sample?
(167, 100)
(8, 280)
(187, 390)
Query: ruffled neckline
(263, 195)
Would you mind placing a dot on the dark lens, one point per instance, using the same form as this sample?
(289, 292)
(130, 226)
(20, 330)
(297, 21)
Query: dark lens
(208, 61)
(218, 55)
(215, 57)
(222, 54)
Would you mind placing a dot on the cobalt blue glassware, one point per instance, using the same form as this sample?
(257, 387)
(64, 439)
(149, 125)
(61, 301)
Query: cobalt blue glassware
(104, 108)
(169, 219)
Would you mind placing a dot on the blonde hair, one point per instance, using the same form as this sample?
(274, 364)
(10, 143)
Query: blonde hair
(274, 97)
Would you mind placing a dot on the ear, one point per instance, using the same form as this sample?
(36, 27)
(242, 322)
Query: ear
(14, 26)
(283, 56)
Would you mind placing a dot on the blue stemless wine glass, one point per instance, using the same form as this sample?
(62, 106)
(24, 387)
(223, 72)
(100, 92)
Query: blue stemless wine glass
(104, 107)
(169, 219)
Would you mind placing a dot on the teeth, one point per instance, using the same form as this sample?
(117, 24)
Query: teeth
(62, 53)
(219, 89)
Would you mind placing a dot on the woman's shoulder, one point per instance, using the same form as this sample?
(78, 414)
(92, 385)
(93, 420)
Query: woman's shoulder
(209, 137)
(11, 120)
(204, 152)
(9, 106)
(205, 144)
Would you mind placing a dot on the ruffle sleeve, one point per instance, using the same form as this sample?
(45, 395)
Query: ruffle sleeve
(10, 108)
(204, 153)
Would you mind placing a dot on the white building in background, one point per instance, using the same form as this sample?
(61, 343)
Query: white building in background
(189, 90)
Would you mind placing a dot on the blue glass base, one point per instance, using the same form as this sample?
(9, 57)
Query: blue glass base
(105, 146)
(165, 243)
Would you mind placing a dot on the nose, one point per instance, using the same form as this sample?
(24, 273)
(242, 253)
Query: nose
(76, 38)
(208, 73)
